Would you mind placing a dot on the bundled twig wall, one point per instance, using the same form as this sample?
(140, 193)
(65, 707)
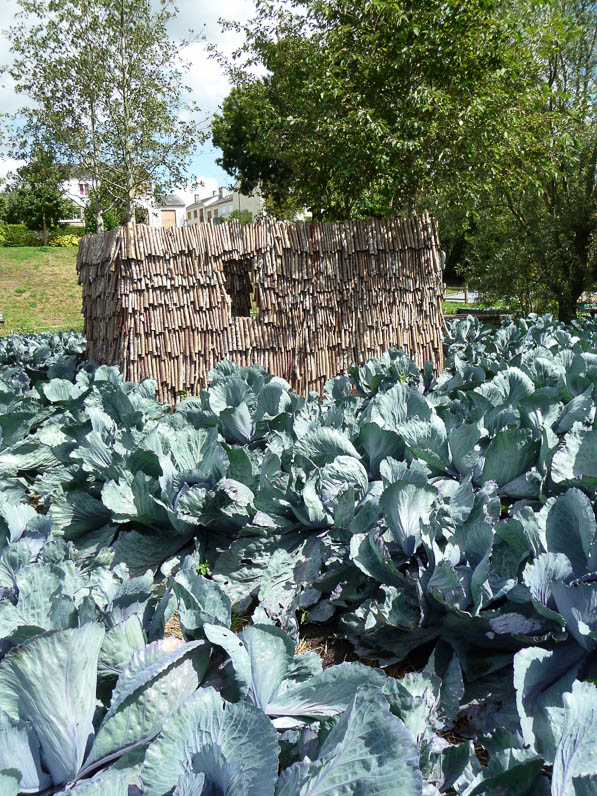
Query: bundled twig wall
(169, 303)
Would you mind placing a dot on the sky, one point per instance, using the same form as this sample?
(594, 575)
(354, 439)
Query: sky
(206, 79)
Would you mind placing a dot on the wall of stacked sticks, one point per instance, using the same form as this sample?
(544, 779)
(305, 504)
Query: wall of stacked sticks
(171, 303)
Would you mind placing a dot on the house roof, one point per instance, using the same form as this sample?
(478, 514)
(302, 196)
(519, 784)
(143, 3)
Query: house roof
(209, 201)
(170, 200)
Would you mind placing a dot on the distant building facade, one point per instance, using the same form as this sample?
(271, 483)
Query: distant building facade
(165, 211)
(76, 189)
(221, 204)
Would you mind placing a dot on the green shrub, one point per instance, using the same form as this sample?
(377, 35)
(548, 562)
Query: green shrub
(65, 240)
(19, 235)
(70, 230)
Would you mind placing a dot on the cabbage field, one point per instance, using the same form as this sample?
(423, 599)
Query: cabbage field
(443, 527)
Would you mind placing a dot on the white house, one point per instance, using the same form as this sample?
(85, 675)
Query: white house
(166, 211)
(221, 204)
(76, 189)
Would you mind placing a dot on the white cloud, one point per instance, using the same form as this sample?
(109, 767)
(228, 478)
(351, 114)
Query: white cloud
(206, 78)
(9, 101)
(9, 164)
(203, 16)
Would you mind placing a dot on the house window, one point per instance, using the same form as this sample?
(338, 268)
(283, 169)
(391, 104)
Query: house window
(208, 214)
(201, 215)
(189, 214)
(215, 213)
(194, 214)
(81, 189)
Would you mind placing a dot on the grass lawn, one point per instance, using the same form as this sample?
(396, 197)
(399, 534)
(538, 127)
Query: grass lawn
(39, 290)
(450, 307)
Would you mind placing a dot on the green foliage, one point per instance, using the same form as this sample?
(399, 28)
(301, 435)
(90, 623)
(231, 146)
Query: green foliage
(68, 229)
(483, 113)
(244, 216)
(3, 207)
(284, 207)
(110, 215)
(529, 237)
(37, 191)
(19, 235)
(9, 206)
(453, 515)
(65, 240)
(369, 106)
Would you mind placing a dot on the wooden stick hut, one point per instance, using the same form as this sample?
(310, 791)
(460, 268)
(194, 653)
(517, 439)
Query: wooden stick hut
(171, 303)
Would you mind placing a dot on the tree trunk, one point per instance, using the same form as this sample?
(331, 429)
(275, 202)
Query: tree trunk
(130, 199)
(128, 155)
(566, 309)
(568, 298)
(45, 234)
(99, 211)
(576, 282)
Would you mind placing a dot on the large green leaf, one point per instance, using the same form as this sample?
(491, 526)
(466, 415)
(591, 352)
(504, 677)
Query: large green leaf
(510, 453)
(9, 781)
(77, 512)
(261, 656)
(50, 682)
(405, 507)
(199, 601)
(120, 642)
(369, 751)
(576, 752)
(325, 694)
(541, 677)
(570, 527)
(19, 749)
(576, 462)
(229, 743)
(509, 387)
(322, 445)
(379, 443)
(156, 681)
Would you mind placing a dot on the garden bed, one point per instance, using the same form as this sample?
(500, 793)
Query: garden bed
(210, 589)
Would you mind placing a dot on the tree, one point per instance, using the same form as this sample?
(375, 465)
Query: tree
(100, 205)
(37, 193)
(533, 241)
(244, 216)
(107, 87)
(482, 112)
(368, 106)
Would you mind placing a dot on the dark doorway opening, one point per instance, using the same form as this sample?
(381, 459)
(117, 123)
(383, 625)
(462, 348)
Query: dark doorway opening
(237, 274)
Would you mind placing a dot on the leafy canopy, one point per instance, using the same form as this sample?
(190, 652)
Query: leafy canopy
(367, 107)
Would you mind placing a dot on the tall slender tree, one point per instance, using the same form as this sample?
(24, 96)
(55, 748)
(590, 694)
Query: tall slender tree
(104, 80)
